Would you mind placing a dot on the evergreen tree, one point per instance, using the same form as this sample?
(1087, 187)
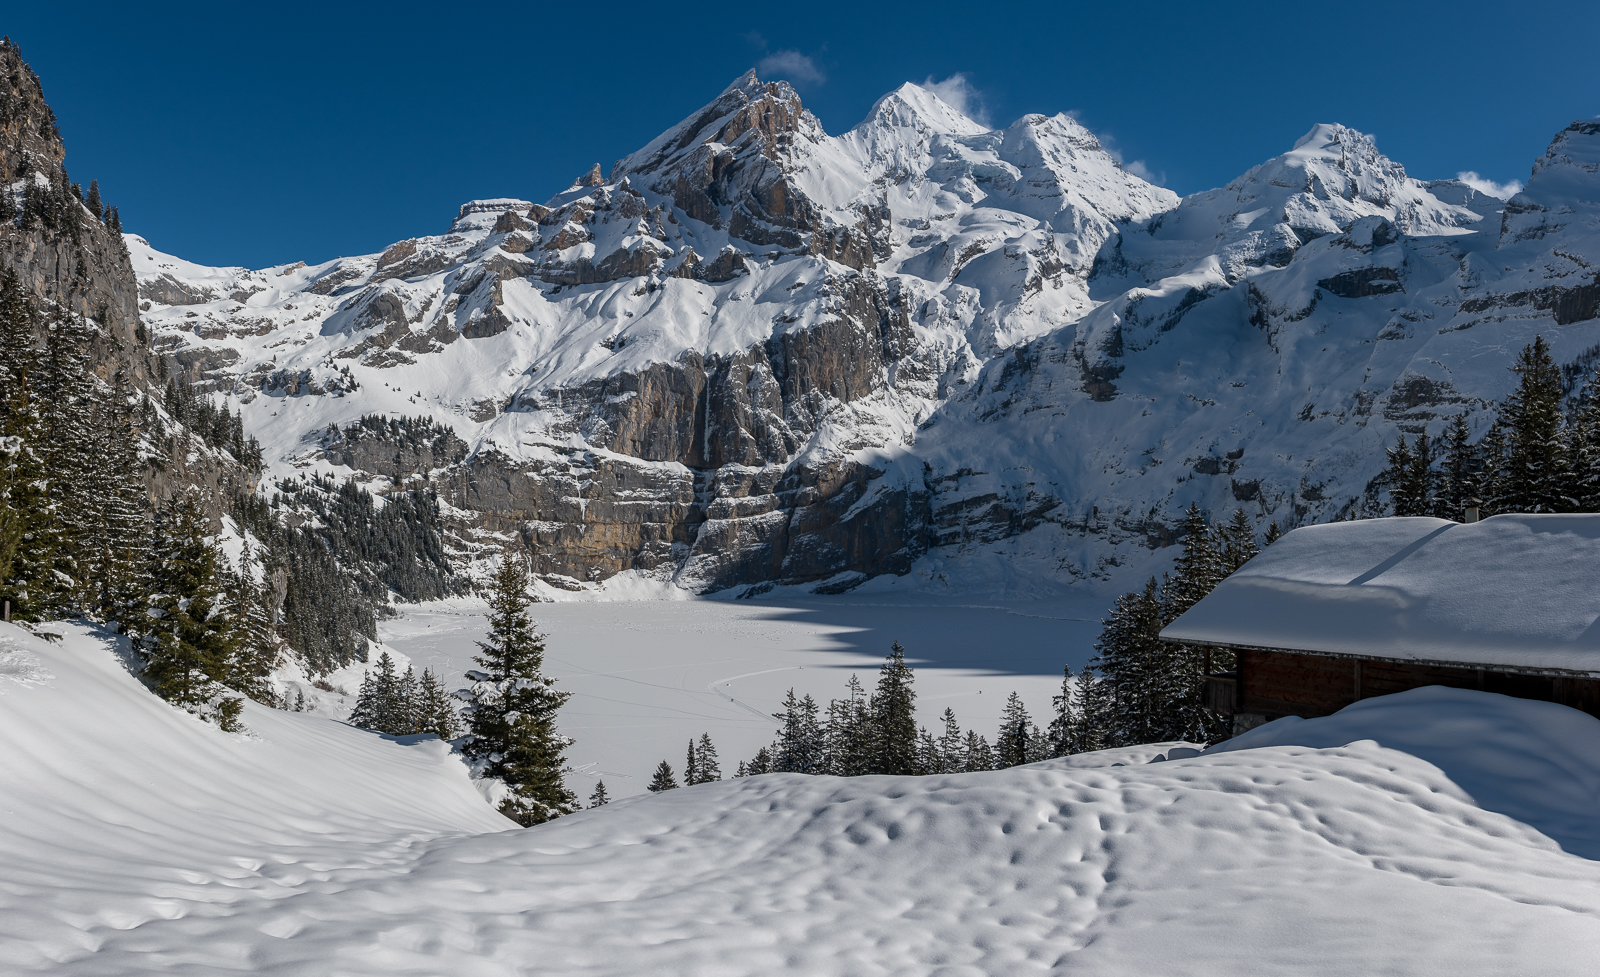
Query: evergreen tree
(1493, 451)
(1238, 542)
(1199, 567)
(433, 711)
(663, 779)
(1534, 477)
(96, 207)
(952, 752)
(893, 710)
(761, 764)
(975, 753)
(375, 701)
(1583, 448)
(28, 537)
(115, 532)
(1065, 720)
(189, 639)
(1459, 474)
(1273, 533)
(707, 770)
(1012, 740)
(599, 798)
(70, 453)
(511, 706)
(800, 747)
(691, 766)
(1400, 477)
(849, 733)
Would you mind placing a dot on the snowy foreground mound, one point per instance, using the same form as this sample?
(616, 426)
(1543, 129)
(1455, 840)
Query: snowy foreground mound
(1432, 832)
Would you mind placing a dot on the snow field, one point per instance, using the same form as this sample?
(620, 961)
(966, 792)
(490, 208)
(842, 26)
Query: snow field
(646, 676)
(136, 840)
(119, 809)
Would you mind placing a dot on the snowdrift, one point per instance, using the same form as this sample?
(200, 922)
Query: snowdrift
(1435, 832)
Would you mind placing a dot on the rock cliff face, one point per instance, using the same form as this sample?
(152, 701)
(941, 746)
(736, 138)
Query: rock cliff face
(754, 352)
(70, 256)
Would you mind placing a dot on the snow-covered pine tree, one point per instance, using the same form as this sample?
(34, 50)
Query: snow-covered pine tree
(1011, 741)
(118, 525)
(951, 749)
(928, 759)
(663, 779)
(27, 514)
(691, 766)
(511, 706)
(976, 754)
(894, 719)
(1199, 566)
(1273, 533)
(1140, 676)
(252, 610)
(1583, 447)
(1064, 719)
(1394, 476)
(188, 636)
(1493, 451)
(849, 735)
(70, 452)
(800, 747)
(1238, 538)
(1459, 475)
(1090, 710)
(433, 711)
(599, 798)
(1417, 493)
(381, 704)
(405, 704)
(707, 770)
(1534, 477)
(762, 763)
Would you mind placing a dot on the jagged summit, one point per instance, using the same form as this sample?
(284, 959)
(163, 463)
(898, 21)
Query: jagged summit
(913, 105)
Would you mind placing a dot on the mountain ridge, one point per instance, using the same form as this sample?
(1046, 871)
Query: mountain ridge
(754, 353)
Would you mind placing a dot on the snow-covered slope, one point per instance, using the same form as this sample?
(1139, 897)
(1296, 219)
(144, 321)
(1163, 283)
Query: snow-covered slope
(121, 810)
(755, 352)
(1433, 832)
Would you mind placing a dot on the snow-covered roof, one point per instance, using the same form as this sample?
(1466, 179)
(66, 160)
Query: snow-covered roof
(1521, 591)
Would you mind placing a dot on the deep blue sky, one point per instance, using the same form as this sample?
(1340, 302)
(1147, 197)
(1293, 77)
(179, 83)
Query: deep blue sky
(302, 132)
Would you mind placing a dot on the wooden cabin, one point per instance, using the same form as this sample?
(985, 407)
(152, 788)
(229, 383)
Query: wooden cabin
(1329, 615)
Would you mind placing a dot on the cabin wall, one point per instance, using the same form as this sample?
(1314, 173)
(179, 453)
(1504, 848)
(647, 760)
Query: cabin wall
(1279, 683)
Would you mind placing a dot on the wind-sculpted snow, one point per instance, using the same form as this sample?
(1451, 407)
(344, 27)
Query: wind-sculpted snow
(1400, 836)
(754, 352)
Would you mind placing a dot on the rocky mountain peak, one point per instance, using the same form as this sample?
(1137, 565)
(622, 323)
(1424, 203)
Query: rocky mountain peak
(481, 214)
(1562, 198)
(912, 106)
(30, 140)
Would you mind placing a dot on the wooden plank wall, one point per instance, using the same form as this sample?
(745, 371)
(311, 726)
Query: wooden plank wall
(1277, 683)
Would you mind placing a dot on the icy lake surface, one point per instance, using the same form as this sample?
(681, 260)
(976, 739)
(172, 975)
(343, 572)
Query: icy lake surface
(648, 675)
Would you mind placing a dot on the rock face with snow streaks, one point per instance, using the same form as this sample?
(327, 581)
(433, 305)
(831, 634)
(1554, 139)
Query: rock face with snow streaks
(754, 352)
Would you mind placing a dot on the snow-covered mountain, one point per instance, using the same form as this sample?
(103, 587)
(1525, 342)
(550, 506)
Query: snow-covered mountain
(754, 352)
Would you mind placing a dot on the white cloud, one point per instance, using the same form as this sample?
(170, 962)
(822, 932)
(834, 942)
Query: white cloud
(958, 92)
(791, 66)
(1138, 167)
(1145, 173)
(1485, 185)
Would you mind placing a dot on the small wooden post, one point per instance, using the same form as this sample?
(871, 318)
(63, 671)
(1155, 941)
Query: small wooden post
(8, 612)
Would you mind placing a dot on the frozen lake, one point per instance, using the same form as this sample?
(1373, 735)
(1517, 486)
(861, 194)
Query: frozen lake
(646, 676)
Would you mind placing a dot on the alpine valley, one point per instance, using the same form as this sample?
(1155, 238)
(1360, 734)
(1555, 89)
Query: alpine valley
(753, 353)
